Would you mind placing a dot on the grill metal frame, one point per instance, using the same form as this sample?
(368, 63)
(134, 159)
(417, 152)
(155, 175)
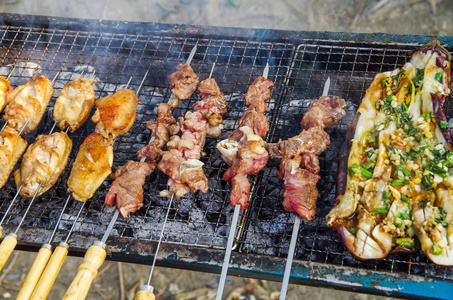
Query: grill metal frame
(300, 62)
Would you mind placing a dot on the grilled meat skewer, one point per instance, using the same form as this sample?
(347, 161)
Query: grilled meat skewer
(27, 103)
(74, 103)
(5, 87)
(115, 113)
(244, 149)
(183, 83)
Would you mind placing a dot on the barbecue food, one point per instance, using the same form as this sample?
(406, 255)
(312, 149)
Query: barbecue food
(115, 113)
(244, 149)
(27, 103)
(299, 156)
(91, 166)
(183, 83)
(5, 87)
(11, 148)
(126, 192)
(161, 129)
(43, 163)
(182, 162)
(397, 181)
(74, 103)
(212, 106)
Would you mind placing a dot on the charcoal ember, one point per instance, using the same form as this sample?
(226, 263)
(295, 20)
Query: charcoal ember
(184, 206)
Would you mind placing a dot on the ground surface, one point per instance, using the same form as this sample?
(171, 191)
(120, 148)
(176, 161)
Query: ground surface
(119, 281)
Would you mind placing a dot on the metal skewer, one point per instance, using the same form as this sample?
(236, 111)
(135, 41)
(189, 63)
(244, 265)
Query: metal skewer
(93, 259)
(295, 233)
(146, 292)
(231, 235)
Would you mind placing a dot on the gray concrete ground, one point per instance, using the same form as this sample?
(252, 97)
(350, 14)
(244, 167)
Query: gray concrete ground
(118, 281)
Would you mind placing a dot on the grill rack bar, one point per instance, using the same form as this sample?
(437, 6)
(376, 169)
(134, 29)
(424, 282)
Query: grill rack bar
(351, 61)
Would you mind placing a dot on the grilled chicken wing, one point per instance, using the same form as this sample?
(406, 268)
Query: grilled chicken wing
(27, 103)
(5, 87)
(115, 113)
(11, 148)
(91, 166)
(74, 103)
(43, 163)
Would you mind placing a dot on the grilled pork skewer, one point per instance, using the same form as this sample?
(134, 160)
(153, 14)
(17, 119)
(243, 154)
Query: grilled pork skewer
(299, 165)
(244, 151)
(183, 83)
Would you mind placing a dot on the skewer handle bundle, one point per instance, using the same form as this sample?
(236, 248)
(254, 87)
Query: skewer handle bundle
(35, 272)
(6, 248)
(145, 293)
(50, 274)
(86, 272)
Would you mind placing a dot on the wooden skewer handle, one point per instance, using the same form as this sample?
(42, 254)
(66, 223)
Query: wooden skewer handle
(6, 248)
(145, 293)
(86, 272)
(38, 266)
(50, 273)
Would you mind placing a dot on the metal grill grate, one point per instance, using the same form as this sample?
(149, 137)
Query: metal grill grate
(201, 221)
(351, 70)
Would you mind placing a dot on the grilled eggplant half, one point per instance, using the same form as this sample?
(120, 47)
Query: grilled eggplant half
(396, 179)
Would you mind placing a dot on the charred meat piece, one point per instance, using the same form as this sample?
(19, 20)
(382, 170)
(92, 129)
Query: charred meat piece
(115, 113)
(126, 191)
(244, 149)
(161, 129)
(299, 156)
(5, 87)
(257, 94)
(74, 103)
(27, 103)
(183, 82)
(212, 106)
(11, 148)
(182, 162)
(324, 112)
(43, 163)
(91, 166)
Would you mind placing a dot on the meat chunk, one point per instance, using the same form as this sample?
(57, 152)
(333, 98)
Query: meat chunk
(43, 163)
(258, 122)
(5, 87)
(324, 112)
(91, 166)
(74, 103)
(115, 113)
(183, 82)
(240, 191)
(161, 130)
(257, 94)
(11, 148)
(126, 191)
(212, 106)
(27, 103)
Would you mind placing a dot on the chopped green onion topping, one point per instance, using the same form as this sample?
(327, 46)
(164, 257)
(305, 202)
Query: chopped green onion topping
(405, 242)
(389, 98)
(352, 230)
(438, 76)
(387, 195)
(411, 131)
(421, 137)
(369, 153)
(423, 203)
(405, 199)
(398, 182)
(379, 211)
(435, 249)
(427, 116)
(444, 124)
(383, 82)
(366, 173)
(368, 165)
(405, 171)
(353, 169)
(404, 216)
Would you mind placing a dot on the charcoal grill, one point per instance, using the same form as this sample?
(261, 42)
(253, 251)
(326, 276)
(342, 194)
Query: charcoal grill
(196, 232)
